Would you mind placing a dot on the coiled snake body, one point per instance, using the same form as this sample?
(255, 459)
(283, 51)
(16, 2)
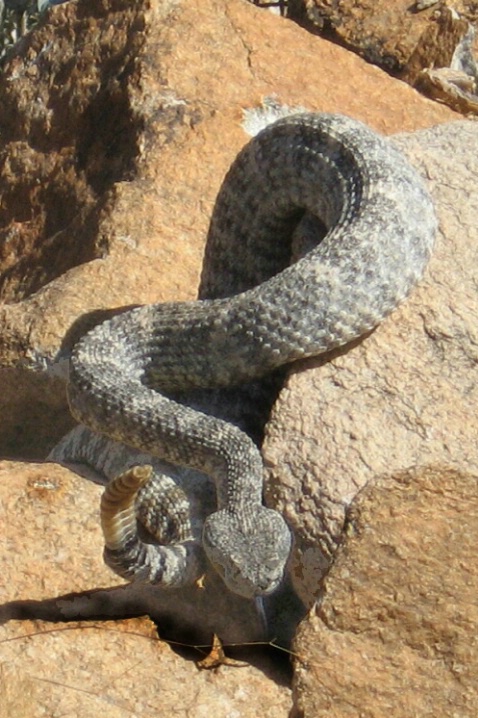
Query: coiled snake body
(260, 314)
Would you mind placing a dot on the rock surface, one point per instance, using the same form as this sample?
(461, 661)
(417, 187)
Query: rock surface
(395, 632)
(118, 668)
(404, 396)
(129, 114)
(453, 87)
(44, 499)
(400, 36)
(122, 669)
(118, 123)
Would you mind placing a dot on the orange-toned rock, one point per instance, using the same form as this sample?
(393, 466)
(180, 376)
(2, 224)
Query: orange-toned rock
(118, 122)
(406, 395)
(121, 668)
(395, 631)
(401, 37)
(52, 546)
(129, 114)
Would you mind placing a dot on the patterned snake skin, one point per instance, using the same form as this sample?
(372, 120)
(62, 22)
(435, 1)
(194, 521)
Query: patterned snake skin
(127, 375)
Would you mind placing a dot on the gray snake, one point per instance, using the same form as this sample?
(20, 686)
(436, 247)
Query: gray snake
(257, 311)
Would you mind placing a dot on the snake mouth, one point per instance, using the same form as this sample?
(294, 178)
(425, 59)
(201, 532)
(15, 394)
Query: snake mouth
(256, 591)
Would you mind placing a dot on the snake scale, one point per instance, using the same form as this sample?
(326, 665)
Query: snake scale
(264, 308)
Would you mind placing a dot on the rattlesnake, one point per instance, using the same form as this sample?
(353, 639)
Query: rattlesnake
(261, 312)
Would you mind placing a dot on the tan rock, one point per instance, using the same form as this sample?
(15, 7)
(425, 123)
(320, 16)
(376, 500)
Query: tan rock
(171, 79)
(395, 631)
(58, 550)
(437, 45)
(455, 88)
(51, 538)
(401, 37)
(121, 668)
(406, 395)
(118, 124)
(51, 546)
(148, 195)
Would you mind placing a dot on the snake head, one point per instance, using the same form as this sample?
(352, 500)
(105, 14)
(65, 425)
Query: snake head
(249, 552)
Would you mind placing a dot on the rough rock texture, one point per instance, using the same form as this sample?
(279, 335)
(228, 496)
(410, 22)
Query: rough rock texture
(391, 33)
(395, 633)
(453, 87)
(171, 78)
(386, 32)
(119, 668)
(437, 45)
(44, 499)
(405, 395)
(118, 122)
